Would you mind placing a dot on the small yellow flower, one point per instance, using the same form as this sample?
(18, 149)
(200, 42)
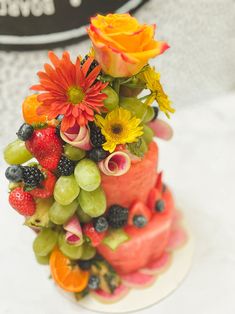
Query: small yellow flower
(152, 80)
(119, 127)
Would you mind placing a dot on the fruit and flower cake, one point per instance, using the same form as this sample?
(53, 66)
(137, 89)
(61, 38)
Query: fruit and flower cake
(83, 169)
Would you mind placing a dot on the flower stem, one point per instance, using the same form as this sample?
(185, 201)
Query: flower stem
(144, 97)
(116, 85)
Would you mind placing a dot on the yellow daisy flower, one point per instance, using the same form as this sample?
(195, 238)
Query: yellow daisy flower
(152, 81)
(119, 127)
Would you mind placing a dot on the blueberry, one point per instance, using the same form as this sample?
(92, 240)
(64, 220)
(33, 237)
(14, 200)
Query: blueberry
(139, 221)
(94, 282)
(25, 132)
(97, 154)
(156, 111)
(14, 173)
(85, 265)
(159, 206)
(101, 224)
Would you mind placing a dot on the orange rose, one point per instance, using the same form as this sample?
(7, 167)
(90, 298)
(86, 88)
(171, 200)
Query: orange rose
(123, 46)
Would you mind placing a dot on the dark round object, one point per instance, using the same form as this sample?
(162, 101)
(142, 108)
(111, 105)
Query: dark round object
(94, 282)
(85, 265)
(156, 112)
(65, 167)
(92, 66)
(25, 132)
(96, 137)
(139, 221)
(97, 154)
(159, 206)
(32, 176)
(57, 130)
(101, 224)
(117, 216)
(14, 173)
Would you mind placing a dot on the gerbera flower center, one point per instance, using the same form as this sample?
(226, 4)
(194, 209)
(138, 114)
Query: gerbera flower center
(117, 128)
(75, 95)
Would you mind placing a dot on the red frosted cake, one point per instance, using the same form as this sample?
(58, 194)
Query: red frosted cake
(83, 171)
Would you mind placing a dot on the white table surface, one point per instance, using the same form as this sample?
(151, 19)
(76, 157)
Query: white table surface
(199, 165)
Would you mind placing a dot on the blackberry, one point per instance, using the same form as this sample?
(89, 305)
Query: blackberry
(101, 224)
(94, 282)
(117, 216)
(25, 132)
(97, 154)
(32, 176)
(92, 66)
(14, 173)
(159, 206)
(139, 221)
(96, 137)
(85, 265)
(65, 167)
(156, 111)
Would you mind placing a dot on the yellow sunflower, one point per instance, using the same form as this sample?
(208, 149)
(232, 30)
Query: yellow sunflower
(119, 127)
(152, 80)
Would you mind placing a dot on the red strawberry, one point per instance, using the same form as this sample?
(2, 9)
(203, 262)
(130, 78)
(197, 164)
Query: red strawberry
(22, 202)
(46, 188)
(46, 147)
(92, 234)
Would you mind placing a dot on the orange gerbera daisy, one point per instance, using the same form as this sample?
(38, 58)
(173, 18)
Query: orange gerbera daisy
(70, 90)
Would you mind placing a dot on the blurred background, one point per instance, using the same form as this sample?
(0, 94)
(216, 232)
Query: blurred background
(198, 73)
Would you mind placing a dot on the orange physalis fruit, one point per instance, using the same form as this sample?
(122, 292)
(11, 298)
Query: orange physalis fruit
(29, 109)
(68, 277)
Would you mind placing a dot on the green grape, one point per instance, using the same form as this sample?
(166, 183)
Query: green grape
(66, 190)
(149, 114)
(69, 250)
(88, 251)
(112, 100)
(43, 260)
(16, 153)
(87, 175)
(45, 242)
(82, 216)
(74, 153)
(59, 214)
(93, 203)
(41, 217)
(148, 134)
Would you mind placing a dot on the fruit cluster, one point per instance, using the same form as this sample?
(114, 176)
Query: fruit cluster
(83, 124)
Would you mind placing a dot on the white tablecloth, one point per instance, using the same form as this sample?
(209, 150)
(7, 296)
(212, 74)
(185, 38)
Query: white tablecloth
(199, 164)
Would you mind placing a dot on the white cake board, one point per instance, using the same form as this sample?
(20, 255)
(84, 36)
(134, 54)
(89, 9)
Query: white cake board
(139, 299)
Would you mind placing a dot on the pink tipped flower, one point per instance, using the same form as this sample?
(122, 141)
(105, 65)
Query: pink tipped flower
(77, 137)
(116, 164)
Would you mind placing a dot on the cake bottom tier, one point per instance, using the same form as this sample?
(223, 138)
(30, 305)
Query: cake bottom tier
(144, 245)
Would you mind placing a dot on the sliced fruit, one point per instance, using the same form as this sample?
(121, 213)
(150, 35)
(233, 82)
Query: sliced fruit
(94, 236)
(68, 277)
(139, 209)
(154, 196)
(137, 280)
(105, 297)
(41, 216)
(16, 153)
(157, 266)
(114, 238)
